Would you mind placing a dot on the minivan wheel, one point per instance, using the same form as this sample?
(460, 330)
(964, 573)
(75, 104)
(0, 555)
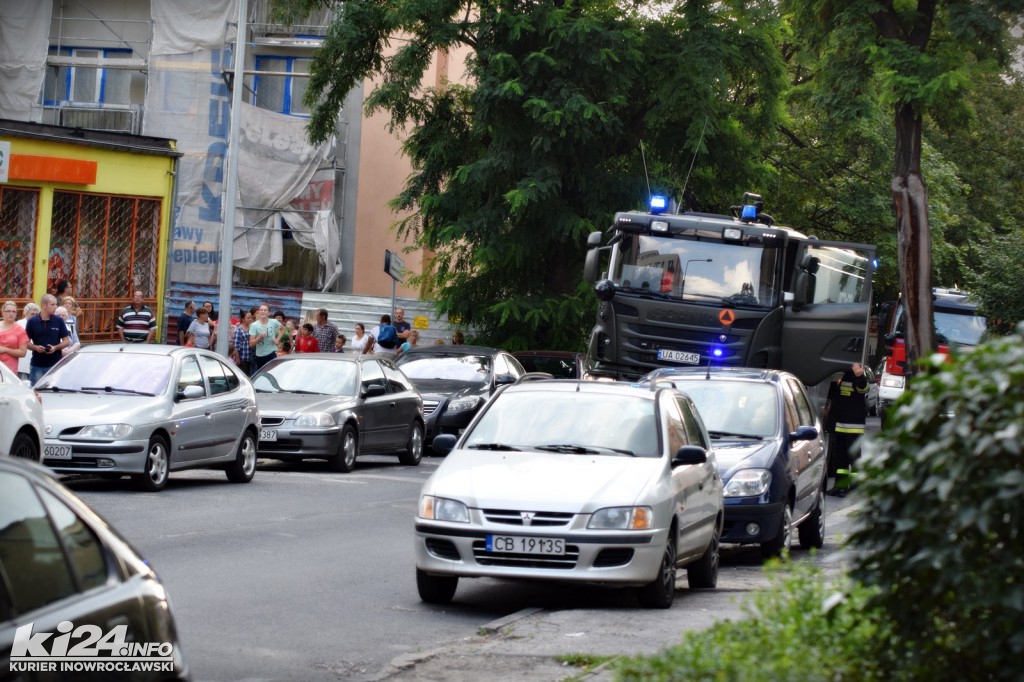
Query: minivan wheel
(703, 573)
(243, 468)
(659, 593)
(774, 547)
(157, 467)
(348, 447)
(436, 589)
(23, 446)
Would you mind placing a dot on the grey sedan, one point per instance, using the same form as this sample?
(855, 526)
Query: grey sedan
(336, 406)
(147, 410)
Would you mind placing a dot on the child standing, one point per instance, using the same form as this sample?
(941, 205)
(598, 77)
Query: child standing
(306, 342)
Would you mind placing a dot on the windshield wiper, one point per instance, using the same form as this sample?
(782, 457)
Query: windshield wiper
(58, 389)
(113, 389)
(301, 391)
(568, 448)
(727, 434)
(493, 446)
(646, 292)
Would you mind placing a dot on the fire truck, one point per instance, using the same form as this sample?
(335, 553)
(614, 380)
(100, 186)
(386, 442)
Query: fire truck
(738, 290)
(957, 323)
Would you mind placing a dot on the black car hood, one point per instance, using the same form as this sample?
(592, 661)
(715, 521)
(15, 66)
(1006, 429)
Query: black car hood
(448, 388)
(733, 455)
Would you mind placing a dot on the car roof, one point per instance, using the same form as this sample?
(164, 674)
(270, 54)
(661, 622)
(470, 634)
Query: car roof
(581, 386)
(450, 349)
(137, 348)
(567, 354)
(753, 374)
(27, 467)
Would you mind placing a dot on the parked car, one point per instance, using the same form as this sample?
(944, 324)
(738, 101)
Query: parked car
(59, 562)
(146, 410)
(771, 452)
(871, 399)
(455, 381)
(559, 364)
(21, 417)
(574, 481)
(335, 406)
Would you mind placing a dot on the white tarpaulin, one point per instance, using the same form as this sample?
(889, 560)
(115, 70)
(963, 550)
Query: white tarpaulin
(314, 225)
(24, 42)
(188, 101)
(183, 26)
(275, 164)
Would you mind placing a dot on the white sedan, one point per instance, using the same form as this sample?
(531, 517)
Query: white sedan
(21, 417)
(574, 481)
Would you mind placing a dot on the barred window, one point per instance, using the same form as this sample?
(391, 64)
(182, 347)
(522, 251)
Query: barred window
(19, 210)
(282, 94)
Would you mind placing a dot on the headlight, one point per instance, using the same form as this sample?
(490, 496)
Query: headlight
(463, 404)
(443, 509)
(106, 431)
(748, 483)
(892, 381)
(622, 518)
(316, 419)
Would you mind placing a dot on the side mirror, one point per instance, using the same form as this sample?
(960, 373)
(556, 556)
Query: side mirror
(590, 262)
(443, 444)
(504, 378)
(690, 454)
(605, 290)
(804, 433)
(374, 390)
(191, 392)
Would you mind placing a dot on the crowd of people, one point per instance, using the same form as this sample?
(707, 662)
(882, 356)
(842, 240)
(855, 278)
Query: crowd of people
(48, 331)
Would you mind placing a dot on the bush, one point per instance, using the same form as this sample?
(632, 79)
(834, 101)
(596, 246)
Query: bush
(941, 538)
(803, 629)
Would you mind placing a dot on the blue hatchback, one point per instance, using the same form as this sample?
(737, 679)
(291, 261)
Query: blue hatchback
(771, 452)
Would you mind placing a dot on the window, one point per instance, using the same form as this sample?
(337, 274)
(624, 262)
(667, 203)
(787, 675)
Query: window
(83, 548)
(397, 380)
(219, 376)
(34, 565)
(88, 84)
(190, 375)
(802, 406)
(282, 93)
(372, 375)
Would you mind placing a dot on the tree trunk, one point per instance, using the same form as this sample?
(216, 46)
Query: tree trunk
(910, 196)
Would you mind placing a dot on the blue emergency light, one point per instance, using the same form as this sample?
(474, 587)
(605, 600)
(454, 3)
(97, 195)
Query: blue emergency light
(717, 352)
(749, 212)
(658, 204)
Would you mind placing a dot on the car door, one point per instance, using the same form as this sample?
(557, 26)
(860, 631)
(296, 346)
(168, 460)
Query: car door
(229, 406)
(192, 419)
(826, 326)
(406, 405)
(378, 411)
(690, 483)
(57, 569)
(807, 455)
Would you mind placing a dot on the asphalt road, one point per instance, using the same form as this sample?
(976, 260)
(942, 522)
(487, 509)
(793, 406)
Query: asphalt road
(309, 574)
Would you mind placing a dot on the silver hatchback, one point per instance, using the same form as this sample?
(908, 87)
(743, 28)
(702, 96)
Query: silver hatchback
(147, 410)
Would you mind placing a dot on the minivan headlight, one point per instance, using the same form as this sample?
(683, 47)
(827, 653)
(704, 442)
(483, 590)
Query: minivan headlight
(105, 431)
(748, 483)
(622, 518)
(469, 402)
(443, 509)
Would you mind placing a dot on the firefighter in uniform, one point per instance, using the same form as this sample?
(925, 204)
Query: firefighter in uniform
(845, 412)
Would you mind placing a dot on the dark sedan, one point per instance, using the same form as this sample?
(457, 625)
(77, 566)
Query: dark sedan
(771, 452)
(455, 381)
(74, 595)
(336, 406)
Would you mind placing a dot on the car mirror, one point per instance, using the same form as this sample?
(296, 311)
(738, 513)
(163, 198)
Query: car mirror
(504, 378)
(690, 454)
(443, 444)
(191, 392)
(373, 390)
(804, 433)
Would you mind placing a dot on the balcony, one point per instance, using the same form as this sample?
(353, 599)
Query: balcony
(92, 116)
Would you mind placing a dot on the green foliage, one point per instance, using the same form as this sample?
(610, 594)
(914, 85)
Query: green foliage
(943, 518)
(804, 628)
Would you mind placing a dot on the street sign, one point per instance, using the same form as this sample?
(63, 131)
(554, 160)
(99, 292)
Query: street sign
(394, 266)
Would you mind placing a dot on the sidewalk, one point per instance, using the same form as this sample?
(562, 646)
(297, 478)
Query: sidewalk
(524, 645)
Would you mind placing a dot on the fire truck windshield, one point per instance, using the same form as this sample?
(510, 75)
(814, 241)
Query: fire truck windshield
(691, 270)
(961, 327)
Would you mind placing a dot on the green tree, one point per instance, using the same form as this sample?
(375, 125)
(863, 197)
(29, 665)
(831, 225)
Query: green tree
(543, 145)
(917, 57)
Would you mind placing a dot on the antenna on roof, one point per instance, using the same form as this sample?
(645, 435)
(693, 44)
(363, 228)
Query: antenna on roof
(693, 160)
(643, 157)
